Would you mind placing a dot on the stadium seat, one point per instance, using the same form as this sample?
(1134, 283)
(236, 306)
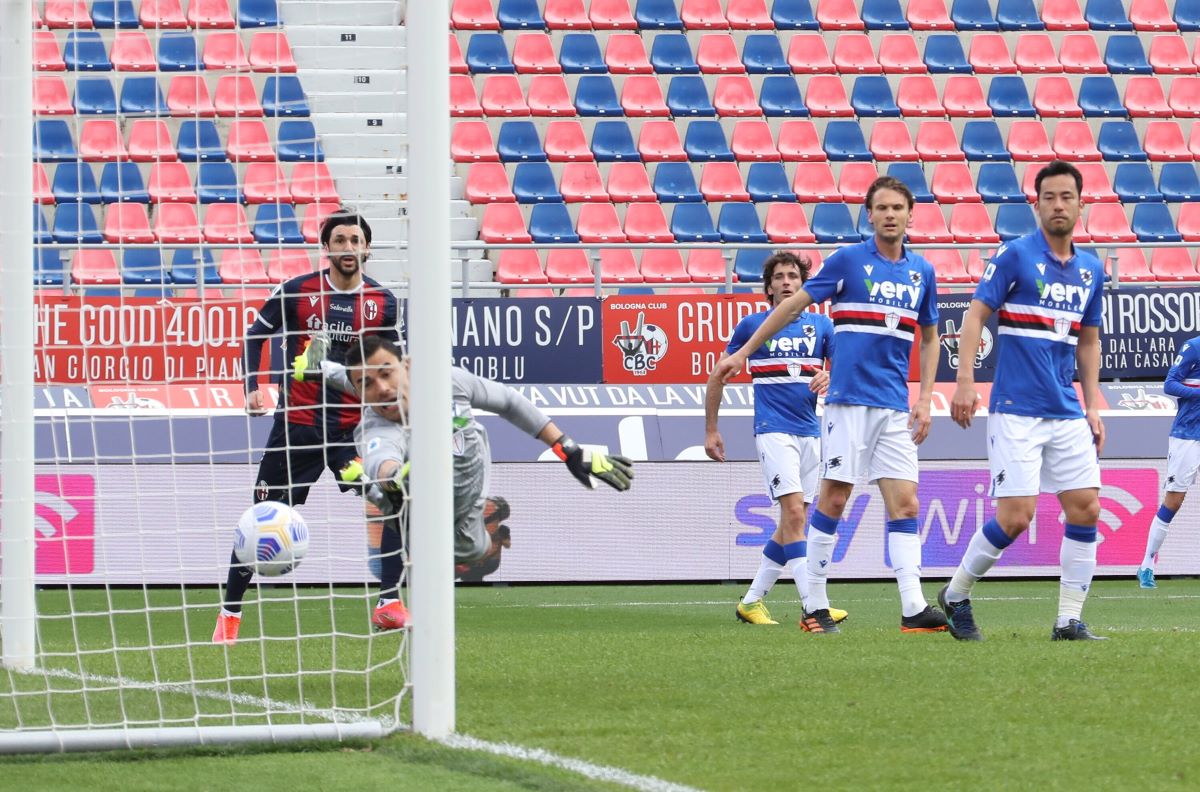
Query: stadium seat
(1173, 265)
(944, 54)
(786, 222)
(1018, 15)
(883, 15)
(748, 15)
(658, 141)
(618, 266)
(248, 141)
(1054, 98)
(913, 175)
(227, 223)
(928, 15)
(142, 96)
(808, 54)
(702, 15)
(752, 142)
(41, 230)
(721, 181)
(838, 15)
(282, 96)
(767, 182)
(518, 141)
(1152, 223)
(871, 97)
(285, 264)
(813, 182)
(149, 141)
(1130, 265)
(733, 96)
(1169, 55)
(898, 55)
(970, 224)
(551, 223)
(1151, 15)
(997, 183)
(520, 266)
(269, 51)
(1035, 55)
(671, 54)
(705, 141)
(952, 183)
(41, 185)
(981, 142)
(223, 51)
(1027, 142)
(1164, 142)
(891, 142)
(297, 141)
(311, 217)
(1096, 186)
(313, 183)
(127, 223)
(687, 96)
(762, 54)
(853, 54)
(645, 222)
(832, 223)
(581, 182)
(217, 182)
(611, 15)
(947, 265)
(264, 182)
(71, 14)
(566, 15)
(780, 96)
(580, 53)
(92, 267)
(707, 265)
(598, 222)
(109, 14)
(717, 53)
(1098, 97)
(625, 54)
(1125, 55)
(1014, 220)
(989, 54)
(596, 96)
(199, 141)
(854, 181)
(473, 15)
(937, 141)
(162, 15)
(276, 223)
(748, 265)
(1106, 223)
(84, 51)
(568, 266)
(187, 96)
(1178, 183)
(663, 266)
(1007, 96)
(463, 101)
(178, 52)
(488, 54)
(1073, 142)
(1079, 54)
(93, 95)
(972, 15)
(75, 223)
(1118, 141)
(1133, 182)
(613, 142)
(641, 96)
(122, 182)
(798, 142)
(502, 222)
(131, 51)
(519, 15)
(532, 182)
(1194, 140)
(1188, 222)
(693, 223)
(243, 266)
(548, 96)
(963, 97)
(565, 142)
(629, 183)
(74, 181)
(657, 15)
(458, 65)
(844, 141)
(1107, 15)
(917, 96)
(738, 222)
(826, 97)
(100, 141)
(209, 14)
(47, 267)
(1184, 98)
(1144, 97)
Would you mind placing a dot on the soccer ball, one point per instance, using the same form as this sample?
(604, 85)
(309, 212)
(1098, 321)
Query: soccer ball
(272, 537)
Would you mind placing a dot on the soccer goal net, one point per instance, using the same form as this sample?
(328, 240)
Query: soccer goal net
(183, 168)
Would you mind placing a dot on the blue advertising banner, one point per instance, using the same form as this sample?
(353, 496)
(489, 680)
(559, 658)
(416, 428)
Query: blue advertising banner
(951, 310)
(529, 340)
(1143, 329)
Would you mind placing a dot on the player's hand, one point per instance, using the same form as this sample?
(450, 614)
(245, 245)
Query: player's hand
(615, 471)
(255, 404)
(1097, 427)
(307, 365)
(714, 446)
(819, 383)
(964, 404)
(919, 421)
(729, 368)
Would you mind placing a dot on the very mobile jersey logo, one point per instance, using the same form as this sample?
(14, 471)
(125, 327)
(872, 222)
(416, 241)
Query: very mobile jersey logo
(64, 524)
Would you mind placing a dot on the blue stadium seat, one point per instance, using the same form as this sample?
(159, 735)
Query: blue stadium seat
(551, 223)
(47, 267)
(1118, 141)
(844, 141)
(1133, 182)
(596, 96)
(831, 222)
(283, 96)
(635, 291)
(693, 223)
(768, 182)
(748, 265)
(580, 54)
(1152, 223)
(780, 96)
(944, 55)
(52, 141)
(1187, 16)
(674, 182)
(193, 267)
(1008, 97)
(276, 223)
(657, 15)
(142, 96)
(1015, 220)
(982, 142)
(258, 13)
(1107, 15)
(143, 266)
(973, 15)
(1178, 182)
(687, 96)
(84, 51)
(533, 182)
(738, 222)
(883, 15)
(1125, 55)
(122, 182)
(199, 141)
(519, 15)
(863, 225)
(705, 142)
(297, 141)
(486, 54)
(74, 181)
(109, 14)
(217, 182)
(671, 54)
(41, 230)
(95, 96)
(872, 97)
(793, 15)
(997, 183)
(612, 141)
(913, 175)
(518, 141)
(763, 54)
(1018, 15)
(76, 223)
(1098, 97)
(178, 52)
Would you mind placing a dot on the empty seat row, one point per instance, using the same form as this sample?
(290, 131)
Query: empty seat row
(149, 140)
(162, 14)
(145, 267)
(187, 95)
(132, 51)
(616, 266)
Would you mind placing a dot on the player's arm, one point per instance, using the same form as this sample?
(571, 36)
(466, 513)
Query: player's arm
(965, 402)
(714, 444)
(778, 319)
(1087, 362)
(919, 419)
(265, 325)
(1175, 384)
(820, 381)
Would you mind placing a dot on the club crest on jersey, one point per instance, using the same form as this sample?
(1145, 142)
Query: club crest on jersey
(892, 321)
(370, 309)
(1062, 327)
(795, 370)
(915, 277)
(1085, 275)
(809, 331)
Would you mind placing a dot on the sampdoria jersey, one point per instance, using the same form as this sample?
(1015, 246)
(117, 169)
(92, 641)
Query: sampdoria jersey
(781, 370)
(1041, 304)
(877, 306)
(1183, 382)
(306, 305)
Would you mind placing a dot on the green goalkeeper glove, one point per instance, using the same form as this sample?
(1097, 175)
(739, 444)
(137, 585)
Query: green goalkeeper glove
(615, 471)
(306, 367)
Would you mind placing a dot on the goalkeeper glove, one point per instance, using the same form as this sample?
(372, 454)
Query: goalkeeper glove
(306, 367)
(615, 471)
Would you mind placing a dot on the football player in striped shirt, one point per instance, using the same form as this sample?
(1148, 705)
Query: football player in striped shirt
(788, 372)
(883, 296)
(1047, 296)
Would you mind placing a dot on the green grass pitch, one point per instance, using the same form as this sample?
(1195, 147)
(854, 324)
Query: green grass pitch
(661, 681)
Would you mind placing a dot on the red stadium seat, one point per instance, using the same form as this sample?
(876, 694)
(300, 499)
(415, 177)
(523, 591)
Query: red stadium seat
(807, 54)
(928, 225)
(542, 294)
(471, 141)
(838, 15)
(826, 97)
(1073, 141)
(1107, 223)
(176, 222)
(891, 142)
(645, 222)
(568, 266)
(963, 97)
(1151, 15)
(95, 267)
(284, 264)
(502, 97)
(718, 54)
(248, 141)
(798, 142)
(898, 55)
(663, 266)
(618, 266)
(612, 15)
(1080, 235)
(1173, 265)
(814, 183)
(1169, 55)
(752, 142)
(641, 96)
(1184, 98)
(749, 15)
(1096, 185)
(786, 222)
(628, 183)
(565, 142)
(502, 222)
(169, 182)
(598, 222)
(1188, 222)
(458, 64)
(702, 15)
(311, 217)
(100, 141)
(721, 181)
(150, 141)
(706, 266)
(1079, 54)
(1053, 98)
(41, 185)
(162, 14)
(989, 54)
(566, 15)
(917, 96)
(187, 96)
(853, 54)
(131, 51)
(1035, 55)
(947, 264)
(976, 263)
(46, 54)
(1163, 142)
(548, 96)
(242, 265)
(969, 223)
(1063, 15)
(463, 101)
(1144, 98)
(937, 142)
(227, 222)
(68, 14)
(473, 15)
(928, 15)
(1131, 265)
(952, 183)
(50, 96)
(264, 183)
(223, 51)
(533, 53)
(734, 97)
(270, 52)
(236, 96)
(657, 142)
(855, 179)
(1027, 141)
(313, 183)
(209, 14)
(625, 54)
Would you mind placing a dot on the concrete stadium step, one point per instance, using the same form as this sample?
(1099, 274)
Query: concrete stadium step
(323, 12)
(364, 124)
(384, 147)
(349, 47)
(326, 80)
(357, 102)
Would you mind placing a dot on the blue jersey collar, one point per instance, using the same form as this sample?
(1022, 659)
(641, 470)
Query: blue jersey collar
(1050, 254)
(873, 248)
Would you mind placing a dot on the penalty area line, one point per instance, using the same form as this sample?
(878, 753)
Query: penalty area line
(733, 601)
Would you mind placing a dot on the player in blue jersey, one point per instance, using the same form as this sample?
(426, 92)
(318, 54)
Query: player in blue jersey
(882, 294)
(788, 372)
(1048, 299)
(1183, 452)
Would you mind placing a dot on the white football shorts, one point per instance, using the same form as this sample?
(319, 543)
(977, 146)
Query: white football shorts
(790, 463)
(1183, 460)
(870, 443)
(1028, 455)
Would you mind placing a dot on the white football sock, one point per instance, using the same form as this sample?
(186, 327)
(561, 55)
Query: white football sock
(799, 569)
(768, 573)
(905, 552)
(1078, 565)
(1154, 542)
(979, 558)
(820, 556)
(230, 613)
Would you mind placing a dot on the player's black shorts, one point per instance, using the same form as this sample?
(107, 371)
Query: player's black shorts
(294, 458)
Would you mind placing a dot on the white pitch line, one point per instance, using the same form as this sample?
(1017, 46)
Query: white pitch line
(726, 603)
(612, 775)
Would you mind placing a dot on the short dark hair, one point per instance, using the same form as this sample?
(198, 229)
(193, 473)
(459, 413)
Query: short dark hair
(1058, 168)
(368, 345)
(344, 217)
(889, 183)
(802, 263)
